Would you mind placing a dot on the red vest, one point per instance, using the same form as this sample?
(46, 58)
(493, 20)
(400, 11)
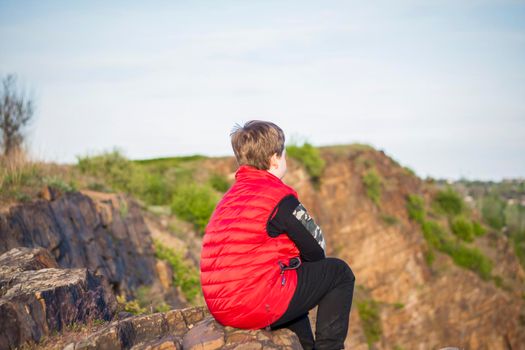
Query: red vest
(240, 275)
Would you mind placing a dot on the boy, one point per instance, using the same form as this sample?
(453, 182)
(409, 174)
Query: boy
(263, 263)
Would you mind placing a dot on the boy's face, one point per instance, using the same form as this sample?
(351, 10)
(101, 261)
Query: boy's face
(278, 165)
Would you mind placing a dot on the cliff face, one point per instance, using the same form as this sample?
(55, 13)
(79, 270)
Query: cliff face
(102, 232)
(421, 307)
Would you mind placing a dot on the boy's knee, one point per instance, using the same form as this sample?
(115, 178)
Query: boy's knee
(344, 269)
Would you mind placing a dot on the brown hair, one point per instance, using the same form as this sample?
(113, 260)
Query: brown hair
(256, 142)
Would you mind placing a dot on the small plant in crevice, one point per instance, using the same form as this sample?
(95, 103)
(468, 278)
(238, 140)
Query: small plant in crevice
(372, 182)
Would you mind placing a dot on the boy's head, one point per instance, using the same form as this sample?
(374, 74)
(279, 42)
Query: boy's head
(258, 143)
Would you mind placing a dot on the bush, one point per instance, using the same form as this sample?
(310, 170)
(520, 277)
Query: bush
(434, 234)
(448, 202)
(416, 208)
(219, 182)
(372, 183)
(156, 190)
(310, 157)
(470, 258)
(112, 167)
(369, 314)
(462, 227)
(184, 275)
(478, 229)
(194, 203)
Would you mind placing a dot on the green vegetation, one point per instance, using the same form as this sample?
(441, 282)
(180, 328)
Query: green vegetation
(448, 202)
(518, 240)
(478, 229)
(399, 305)
(113, 167)
(416, 208)
(219, 182)
(438, 237)
(372, 183)
(194, 203)
(462, 227)
(369, 315)
(145, 302)
(389, 219)
(184, 275)
(492, 210)
(310, 157)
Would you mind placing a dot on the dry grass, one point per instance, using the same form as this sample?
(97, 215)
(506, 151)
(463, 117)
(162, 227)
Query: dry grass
(22, 178)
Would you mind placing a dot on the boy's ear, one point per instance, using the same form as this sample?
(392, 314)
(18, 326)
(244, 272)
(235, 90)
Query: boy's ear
(273, 161)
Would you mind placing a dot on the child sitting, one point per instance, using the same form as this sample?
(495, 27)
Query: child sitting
(263, 261)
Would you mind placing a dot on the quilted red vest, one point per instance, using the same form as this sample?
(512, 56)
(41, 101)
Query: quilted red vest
(240, 275)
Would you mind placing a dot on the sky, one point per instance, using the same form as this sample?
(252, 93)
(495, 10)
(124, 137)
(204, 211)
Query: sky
(437, 85)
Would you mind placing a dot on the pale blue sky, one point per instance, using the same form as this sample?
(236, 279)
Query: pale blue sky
(437, 85)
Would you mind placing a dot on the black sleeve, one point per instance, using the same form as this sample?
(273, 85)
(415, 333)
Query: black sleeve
(283, 221)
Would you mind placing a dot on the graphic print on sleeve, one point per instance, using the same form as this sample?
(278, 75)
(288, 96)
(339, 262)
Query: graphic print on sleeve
(308, 222)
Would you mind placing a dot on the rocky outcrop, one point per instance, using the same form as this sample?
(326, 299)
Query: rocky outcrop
(37, 298)
(188, 329)
(104, 233)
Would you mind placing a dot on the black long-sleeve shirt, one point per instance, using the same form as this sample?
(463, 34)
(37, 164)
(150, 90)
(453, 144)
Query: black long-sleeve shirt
(291, 217)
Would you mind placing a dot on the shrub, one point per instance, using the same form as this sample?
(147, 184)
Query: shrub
(111, 166)
(155, 189)
(369, 314)
(434, 234)
(184, 275)
(478, 229)
(416, 208)
(372, 183)
(219, 182)
(310, 157)
(194, 203)
(448, 202)
(462, 227)
(470, 258)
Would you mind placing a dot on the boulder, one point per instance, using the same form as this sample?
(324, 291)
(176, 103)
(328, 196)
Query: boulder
(37, 299)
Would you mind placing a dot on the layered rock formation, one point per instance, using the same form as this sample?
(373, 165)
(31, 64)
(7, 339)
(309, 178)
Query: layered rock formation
(188, 329)
(104, 233)
(37, 298)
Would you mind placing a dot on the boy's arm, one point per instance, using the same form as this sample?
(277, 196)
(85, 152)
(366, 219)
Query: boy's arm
(291, 217)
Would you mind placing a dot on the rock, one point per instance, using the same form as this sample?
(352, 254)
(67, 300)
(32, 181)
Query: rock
(36, 300)
(165, 273)
(102, 232)
(206, 335)
(190, 328)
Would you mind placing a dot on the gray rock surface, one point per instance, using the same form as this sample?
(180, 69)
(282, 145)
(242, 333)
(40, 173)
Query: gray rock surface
(37, 299)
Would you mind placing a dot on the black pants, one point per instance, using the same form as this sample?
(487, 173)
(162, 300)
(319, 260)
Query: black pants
(328, 283)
